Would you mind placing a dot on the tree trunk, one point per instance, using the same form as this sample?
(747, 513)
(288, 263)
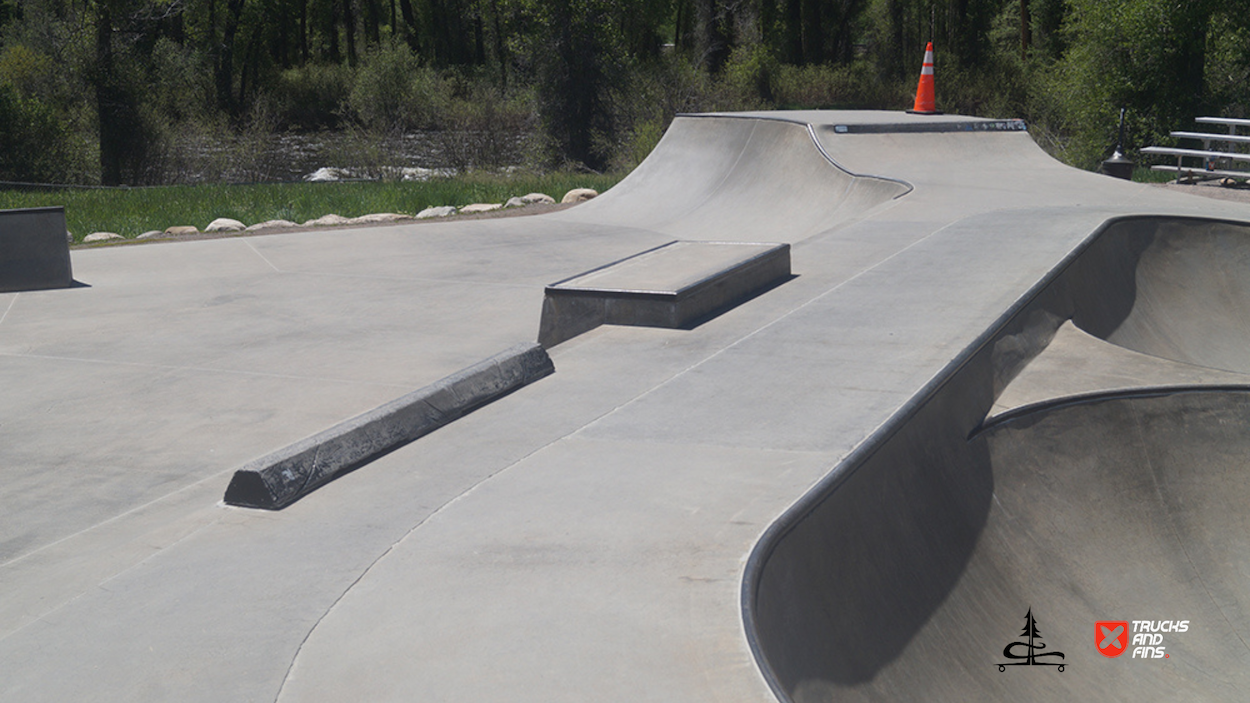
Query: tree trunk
(1026, 30)
(303, 32)
(225, 60)
(501, 54)
(813, 32)
(349, 29)
(793, 42)
(410, 25)
(108, 101)
(373, 21)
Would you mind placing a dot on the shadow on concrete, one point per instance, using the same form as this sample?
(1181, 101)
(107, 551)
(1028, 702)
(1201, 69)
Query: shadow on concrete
(717, 312)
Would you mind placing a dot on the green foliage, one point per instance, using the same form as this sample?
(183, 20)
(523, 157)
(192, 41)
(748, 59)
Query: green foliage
(852, 86)
(10, 10)
(33, 143)
(642, 140)
(180, 84)
(144, 91)
(393, 92)
(1148, 56)
(751, 74)
(1227, 72)
(311, 96)
(582, 69)
(488, 129)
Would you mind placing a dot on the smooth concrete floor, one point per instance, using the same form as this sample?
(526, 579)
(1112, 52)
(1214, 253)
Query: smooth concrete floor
(583, 538)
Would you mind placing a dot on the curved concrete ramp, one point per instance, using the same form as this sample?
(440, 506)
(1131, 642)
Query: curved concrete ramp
(907, 574)
(737, 179)
(1187, 292)
(1126, 508)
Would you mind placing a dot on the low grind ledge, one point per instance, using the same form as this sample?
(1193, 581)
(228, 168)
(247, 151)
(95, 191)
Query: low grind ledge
(279, 479)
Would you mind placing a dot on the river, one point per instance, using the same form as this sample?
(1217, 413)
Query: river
(305, 156)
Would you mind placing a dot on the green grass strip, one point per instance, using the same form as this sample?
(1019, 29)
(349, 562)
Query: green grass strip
(132, 211)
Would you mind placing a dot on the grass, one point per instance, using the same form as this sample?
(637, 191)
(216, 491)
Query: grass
(1143, 174)
(132, 211)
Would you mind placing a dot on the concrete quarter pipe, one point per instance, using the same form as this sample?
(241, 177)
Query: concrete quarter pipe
(998, 413)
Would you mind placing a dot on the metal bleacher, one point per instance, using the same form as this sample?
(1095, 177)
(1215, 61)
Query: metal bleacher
(1214, 161)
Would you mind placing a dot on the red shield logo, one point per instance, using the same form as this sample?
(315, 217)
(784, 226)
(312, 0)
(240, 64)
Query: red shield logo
(1111, 637)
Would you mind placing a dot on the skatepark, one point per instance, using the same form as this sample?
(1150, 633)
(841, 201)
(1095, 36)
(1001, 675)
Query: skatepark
(986, 384)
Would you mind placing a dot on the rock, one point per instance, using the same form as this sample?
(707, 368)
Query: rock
(417, 173)
(380, 217)
(538, 199)
(328, 221)
(479, 207)
(180, 231)
(69, 236)
(515, 202)
(100, 237)
(225, 224)
(151, 234)
(579, 195)
(436, 211)
(326, 174)
(270, 224)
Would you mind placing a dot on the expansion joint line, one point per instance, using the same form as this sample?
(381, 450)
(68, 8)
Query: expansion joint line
(745, 338)
(12, 302)
(262, 256)
(117, 517)
(368, 569)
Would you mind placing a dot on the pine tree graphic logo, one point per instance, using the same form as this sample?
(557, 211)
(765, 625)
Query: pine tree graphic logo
(1032, 648)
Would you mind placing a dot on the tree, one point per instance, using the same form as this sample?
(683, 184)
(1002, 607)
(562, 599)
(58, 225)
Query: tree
(1148, 56)
(33, 143)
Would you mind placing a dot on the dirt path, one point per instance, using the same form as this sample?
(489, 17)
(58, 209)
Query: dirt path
(1211, 189)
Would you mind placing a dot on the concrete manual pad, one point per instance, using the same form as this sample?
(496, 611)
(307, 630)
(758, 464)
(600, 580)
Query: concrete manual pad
(674, 285)
(796, 500)
(673, 268)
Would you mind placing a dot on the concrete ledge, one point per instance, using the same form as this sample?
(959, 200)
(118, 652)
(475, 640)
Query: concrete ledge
(278, 479)
(34, 251)
(675, 285)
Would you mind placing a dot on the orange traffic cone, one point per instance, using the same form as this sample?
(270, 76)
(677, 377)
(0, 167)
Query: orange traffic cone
(926, 104)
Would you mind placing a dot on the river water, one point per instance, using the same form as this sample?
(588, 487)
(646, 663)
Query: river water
(305, 156)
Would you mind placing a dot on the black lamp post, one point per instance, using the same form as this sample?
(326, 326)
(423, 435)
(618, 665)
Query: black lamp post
(1117, 166)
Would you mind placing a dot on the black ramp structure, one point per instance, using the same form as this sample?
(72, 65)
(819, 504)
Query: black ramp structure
(908, 573)
(34, 251)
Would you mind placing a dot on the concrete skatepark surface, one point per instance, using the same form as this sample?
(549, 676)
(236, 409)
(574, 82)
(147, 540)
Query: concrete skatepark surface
(996, 385)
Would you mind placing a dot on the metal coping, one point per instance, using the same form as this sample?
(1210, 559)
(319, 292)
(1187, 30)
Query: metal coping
(47, 208)
(921, 127)
(1103, 396)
